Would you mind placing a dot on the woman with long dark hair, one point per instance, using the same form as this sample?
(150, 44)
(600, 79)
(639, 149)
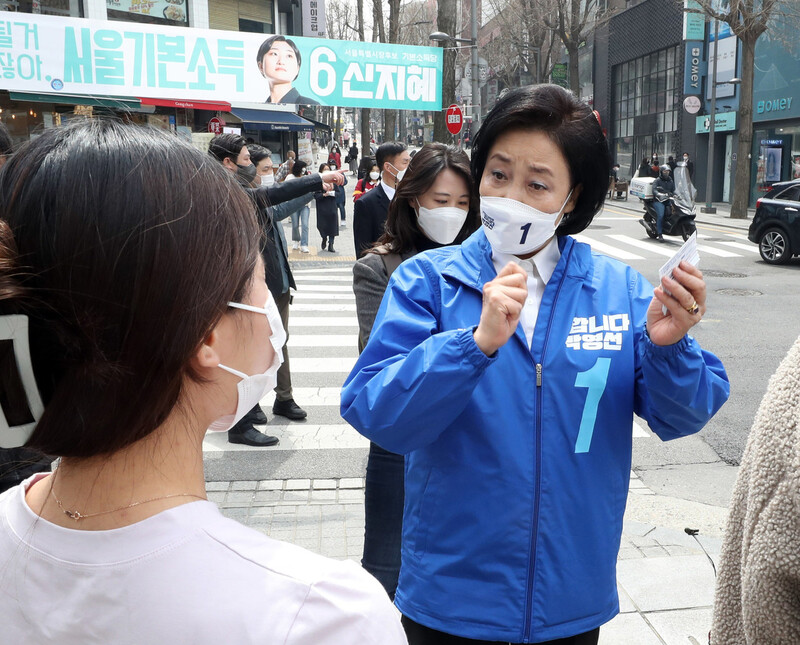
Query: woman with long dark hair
(435, 205)
(327, 220)
(139, 318)
(507, 370)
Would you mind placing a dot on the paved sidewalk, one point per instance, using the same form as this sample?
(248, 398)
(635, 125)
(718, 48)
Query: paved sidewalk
(665, 578)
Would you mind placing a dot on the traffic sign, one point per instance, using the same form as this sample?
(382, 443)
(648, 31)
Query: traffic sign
(215, 125)
(454, 118)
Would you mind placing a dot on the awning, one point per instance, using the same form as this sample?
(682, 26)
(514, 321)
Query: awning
(74, 99)
(318, 124)
(216, 106)
(272, 121)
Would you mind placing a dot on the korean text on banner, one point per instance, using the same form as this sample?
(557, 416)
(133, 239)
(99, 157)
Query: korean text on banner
(88, 57)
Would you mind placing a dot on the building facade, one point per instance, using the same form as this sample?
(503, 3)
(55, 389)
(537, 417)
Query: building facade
(638, 76)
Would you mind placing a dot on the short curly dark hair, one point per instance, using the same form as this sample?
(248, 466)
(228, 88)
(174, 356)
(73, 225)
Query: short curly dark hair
(571, 125)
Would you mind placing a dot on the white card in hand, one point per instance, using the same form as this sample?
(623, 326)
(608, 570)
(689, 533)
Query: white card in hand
(687, 252)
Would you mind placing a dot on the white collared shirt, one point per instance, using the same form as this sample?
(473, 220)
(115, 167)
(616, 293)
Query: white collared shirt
(540, 269)
(387, 189)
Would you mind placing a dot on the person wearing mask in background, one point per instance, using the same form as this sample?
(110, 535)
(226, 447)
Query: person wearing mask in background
(663, 188)
(299, 217)
(335, 156)
(129, 370)
(230, 150)
(671, 163)
(286, 167)
(435, 205)
(279, 273)
(689, 164)
(367, 183)
(515, 420)
(364, 165)
(352, 158)
(369, 212)
(326, 215)
(654, 166)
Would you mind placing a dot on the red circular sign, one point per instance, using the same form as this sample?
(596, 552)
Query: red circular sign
(215, 125)
(454, 118)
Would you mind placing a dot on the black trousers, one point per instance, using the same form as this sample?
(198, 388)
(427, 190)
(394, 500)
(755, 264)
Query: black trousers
(420, 635)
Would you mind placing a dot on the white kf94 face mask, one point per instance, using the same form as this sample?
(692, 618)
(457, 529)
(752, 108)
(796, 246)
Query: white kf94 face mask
(441, 224)
(253, 388)
(515, 228)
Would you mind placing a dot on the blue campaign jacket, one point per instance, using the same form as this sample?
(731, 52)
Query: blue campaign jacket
(518, 465)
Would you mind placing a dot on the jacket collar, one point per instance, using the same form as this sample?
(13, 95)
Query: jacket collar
(472, 264)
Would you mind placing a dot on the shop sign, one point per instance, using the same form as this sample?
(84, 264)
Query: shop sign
(691, 104)
(215, 125)
(725, 122)
(694, 24)
(774, 105)
(93, 57)
(694, 67)
(314, 18)
(169, 9)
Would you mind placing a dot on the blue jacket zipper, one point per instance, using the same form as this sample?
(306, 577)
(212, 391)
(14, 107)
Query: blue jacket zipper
(538, 474)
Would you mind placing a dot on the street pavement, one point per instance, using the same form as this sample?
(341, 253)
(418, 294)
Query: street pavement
(309, 489)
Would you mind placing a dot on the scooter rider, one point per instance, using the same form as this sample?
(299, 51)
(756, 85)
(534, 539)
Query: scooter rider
(663, 189)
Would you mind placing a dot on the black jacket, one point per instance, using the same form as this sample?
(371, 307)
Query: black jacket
(369, 218)
(274, 252)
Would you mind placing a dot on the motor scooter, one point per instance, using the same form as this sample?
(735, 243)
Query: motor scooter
(679, 211)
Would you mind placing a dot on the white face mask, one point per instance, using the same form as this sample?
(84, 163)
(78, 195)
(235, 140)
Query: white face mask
(374, 176)
(252, 388)
(441, 224)
(268, 179)
(515, 228)
(400, 173)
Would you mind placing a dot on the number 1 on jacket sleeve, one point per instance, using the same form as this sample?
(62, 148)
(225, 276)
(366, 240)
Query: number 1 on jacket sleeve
(594, 379)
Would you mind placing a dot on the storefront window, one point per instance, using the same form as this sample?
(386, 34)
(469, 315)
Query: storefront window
(73, 8)
(776, 155)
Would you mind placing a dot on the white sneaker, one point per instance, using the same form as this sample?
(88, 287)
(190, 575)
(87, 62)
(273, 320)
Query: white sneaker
(295, 245)
(342, 224)
(304, 249)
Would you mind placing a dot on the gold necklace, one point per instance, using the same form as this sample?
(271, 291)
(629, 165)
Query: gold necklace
(77, 516)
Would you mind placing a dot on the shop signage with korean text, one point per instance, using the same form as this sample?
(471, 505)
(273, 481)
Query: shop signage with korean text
(53, 54)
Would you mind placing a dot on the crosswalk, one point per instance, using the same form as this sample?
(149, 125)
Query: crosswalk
(628, 248)
(322, 349)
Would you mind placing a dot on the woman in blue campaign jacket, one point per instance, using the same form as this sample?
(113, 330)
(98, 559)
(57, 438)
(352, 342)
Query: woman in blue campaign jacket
(507, 370)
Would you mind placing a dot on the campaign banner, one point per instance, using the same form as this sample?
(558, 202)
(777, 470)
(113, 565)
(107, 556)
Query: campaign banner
(52, 54)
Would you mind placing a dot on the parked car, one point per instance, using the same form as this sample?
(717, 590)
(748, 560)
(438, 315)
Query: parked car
(776, 225)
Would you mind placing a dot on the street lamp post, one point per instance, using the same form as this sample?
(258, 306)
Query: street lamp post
(708, 208)
(439, 36)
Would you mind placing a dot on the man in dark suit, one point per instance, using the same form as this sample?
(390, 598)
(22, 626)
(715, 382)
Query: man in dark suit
(369, 212)
(273, 203)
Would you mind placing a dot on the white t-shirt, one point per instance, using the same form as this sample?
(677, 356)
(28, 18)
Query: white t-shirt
(187, 575)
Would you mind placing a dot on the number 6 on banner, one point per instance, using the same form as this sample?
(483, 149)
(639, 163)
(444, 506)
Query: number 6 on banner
(594, 380)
